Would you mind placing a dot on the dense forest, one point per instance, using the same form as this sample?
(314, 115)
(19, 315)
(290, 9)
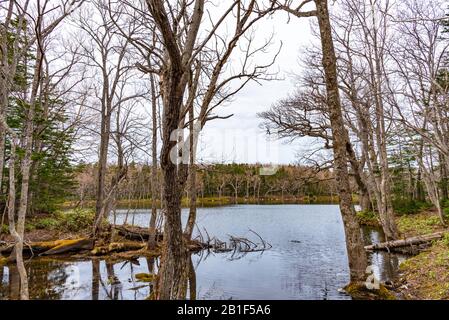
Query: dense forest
(102, 103)
(242, 183)
(236, 181)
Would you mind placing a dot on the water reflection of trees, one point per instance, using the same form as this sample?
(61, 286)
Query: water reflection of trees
(185, 282)
(48, 279)
(95, 279)
(45, 280)
(111, 286)
(387, 264)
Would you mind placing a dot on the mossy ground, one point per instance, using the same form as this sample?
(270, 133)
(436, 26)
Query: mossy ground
(359, 291)
(426, 275)
(73, 223)
(424, 222)
(145, 277)
(368, 218)
(418, 224)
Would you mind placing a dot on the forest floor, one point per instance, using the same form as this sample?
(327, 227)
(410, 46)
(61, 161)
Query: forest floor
(425, 275)
(60, 225)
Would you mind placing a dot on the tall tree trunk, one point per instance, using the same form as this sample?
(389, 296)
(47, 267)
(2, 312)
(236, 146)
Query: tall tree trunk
(173, 269)
(173, 263)
(192, 178)
(102, 165)
(18, 233)
(386, 212)
(154, 191)
(354, 241)
(443, 177)
(7, 71)
(365, 199)
(2, 156)
(420, 195)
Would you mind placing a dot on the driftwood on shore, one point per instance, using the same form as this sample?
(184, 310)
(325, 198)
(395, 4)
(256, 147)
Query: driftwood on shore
(400, 245)
(53, 247)
(118, 247)
(136, 233)
(134, 244)
(71, 245)
(238, 246)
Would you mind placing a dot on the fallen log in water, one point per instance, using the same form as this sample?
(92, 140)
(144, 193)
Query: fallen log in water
(239, 246)
(53, 247)
(118, 247)
(136, 233)
(408, 242)
(138, 247)
(70, 246)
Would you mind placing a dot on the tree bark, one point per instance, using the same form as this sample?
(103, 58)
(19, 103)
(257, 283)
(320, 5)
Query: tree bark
(192, 179)
(2, 156)
(174, 78)
(102, 161)
(443, 177)
(17, 253)
(354, 241)
(385, 205)
(154, 191)
(365, 198)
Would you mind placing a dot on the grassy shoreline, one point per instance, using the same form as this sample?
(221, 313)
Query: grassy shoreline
(426, 275)
(214, 201)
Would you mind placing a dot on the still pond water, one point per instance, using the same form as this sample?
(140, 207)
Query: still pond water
(307, 261)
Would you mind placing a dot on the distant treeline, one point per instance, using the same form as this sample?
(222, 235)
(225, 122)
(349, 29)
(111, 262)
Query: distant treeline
(234, 181)
(219, 183)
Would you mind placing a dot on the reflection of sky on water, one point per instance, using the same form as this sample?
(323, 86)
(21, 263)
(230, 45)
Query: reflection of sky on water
(308, 259)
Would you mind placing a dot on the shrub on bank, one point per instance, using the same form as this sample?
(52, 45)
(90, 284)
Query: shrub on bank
(76, 219)
(418, 225)
(406, 206)
(368, 218)
(47, 223)
(73, 220)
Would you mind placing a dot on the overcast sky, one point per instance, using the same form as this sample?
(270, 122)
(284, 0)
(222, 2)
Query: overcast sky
(239, 139)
